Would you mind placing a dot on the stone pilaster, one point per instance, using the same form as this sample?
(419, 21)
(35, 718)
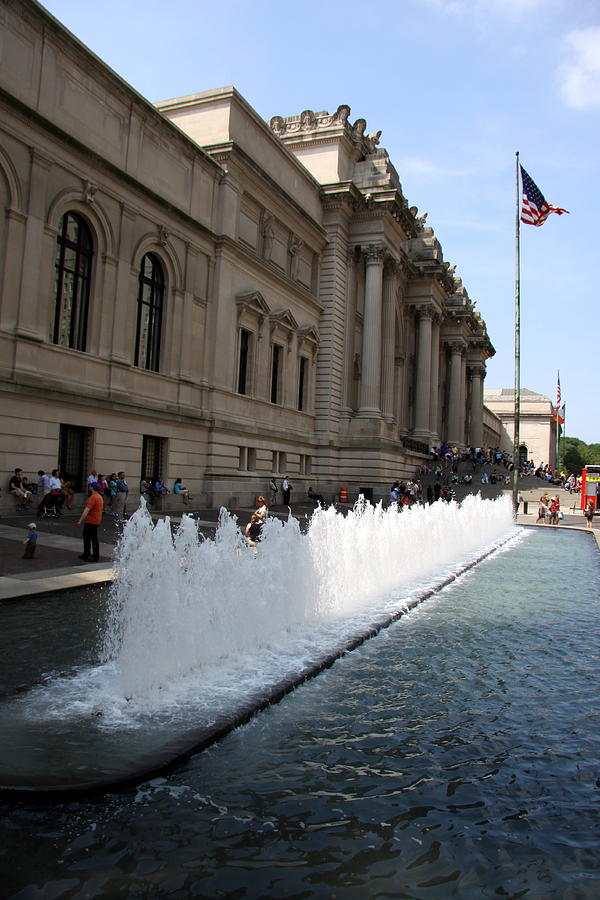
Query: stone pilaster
(290, 372)
(126, 286)
(16, 223)
(331, 361)
(370, 388)
(31, 303)
(261, 361)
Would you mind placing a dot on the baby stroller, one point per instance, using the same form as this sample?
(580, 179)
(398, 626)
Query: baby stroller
(48, 507)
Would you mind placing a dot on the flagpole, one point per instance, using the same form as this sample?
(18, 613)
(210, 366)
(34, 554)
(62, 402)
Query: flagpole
(558, 399)
(517, 344)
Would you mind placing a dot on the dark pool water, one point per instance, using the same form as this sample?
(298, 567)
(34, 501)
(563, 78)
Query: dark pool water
(455, 755)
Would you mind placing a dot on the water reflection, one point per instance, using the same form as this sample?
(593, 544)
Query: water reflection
(453, 756)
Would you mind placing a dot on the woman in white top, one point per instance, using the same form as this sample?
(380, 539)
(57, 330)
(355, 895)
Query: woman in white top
(263, 510)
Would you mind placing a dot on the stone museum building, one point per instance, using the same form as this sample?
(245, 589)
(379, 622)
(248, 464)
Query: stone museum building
(188, 290)
(537, 425)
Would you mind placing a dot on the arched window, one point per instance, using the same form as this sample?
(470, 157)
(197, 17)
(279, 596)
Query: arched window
(74, 252)
(149, 314)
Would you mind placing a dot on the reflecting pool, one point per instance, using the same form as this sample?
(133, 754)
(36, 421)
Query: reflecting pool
(453, 755)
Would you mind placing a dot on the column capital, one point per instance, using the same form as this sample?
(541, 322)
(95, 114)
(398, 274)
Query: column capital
(391, 267)
(425, 311)
(477, 370)
(375, 254)
(456, 346)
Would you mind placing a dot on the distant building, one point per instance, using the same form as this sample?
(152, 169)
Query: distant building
(537, 426)
(190, 291)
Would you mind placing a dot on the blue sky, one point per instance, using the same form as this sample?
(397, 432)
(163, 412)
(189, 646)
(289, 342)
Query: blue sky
(456, 86)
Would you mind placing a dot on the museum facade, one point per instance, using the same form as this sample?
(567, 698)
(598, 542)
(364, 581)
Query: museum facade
(190, 291)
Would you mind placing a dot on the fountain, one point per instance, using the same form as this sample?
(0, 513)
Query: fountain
(202, 633)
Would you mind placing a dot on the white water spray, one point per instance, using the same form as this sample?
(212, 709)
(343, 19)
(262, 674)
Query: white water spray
(182, 604)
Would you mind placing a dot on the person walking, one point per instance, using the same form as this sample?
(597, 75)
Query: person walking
(30, 541)
(287, 489)
(589, 514)
(274, 490)
(120, 498)
(91, 517)
(543, 509)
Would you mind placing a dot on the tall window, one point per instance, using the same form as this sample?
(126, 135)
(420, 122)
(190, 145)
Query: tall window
(302, 383)
(244, 362)
(276, 373)
(74, 252)
(151, 293)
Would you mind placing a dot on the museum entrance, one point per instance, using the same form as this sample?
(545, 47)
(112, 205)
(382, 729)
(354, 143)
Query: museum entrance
(74, 445)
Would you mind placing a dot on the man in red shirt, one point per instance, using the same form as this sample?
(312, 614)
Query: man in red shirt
(91, 516)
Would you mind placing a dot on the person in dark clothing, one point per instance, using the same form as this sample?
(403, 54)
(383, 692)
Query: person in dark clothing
(286, 488)
(91, 516)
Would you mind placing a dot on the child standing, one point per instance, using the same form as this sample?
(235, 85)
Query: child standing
(30, 541)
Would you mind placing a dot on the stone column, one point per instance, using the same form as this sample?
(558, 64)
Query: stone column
(349, 319)
(400, 408)
(425, 315)
(456, 351)
(388, 342)
(477, 374)
(463, 400)
(370, 388)
(435, 376)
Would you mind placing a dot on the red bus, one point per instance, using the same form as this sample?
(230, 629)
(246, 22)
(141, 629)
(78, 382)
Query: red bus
(590, 486)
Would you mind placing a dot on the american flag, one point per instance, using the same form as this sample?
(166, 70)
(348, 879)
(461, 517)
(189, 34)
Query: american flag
(534, 209)
(558, 394)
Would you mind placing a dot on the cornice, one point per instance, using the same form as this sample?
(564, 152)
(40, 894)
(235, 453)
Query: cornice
(94, 159)
(225, 150)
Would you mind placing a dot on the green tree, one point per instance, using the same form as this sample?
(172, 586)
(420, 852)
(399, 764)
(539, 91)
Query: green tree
(593, 454)
(575, 454)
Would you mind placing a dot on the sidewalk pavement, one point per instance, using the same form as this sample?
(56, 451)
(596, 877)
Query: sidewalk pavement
(56, 565)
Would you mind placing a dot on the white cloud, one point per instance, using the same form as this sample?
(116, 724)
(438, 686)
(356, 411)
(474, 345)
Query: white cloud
(514, 10)
(579, 76)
